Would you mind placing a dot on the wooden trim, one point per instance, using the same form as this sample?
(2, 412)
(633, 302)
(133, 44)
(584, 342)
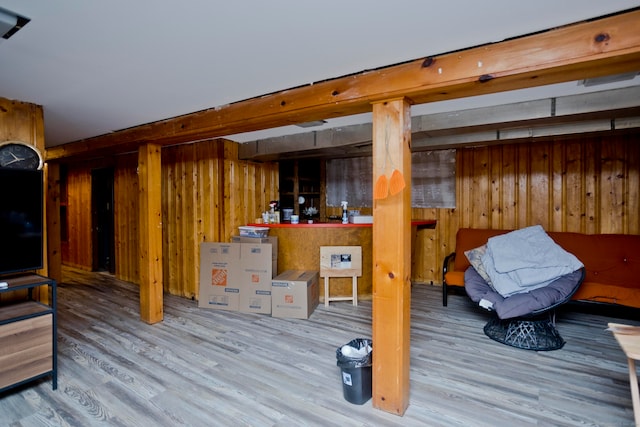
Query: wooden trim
(52, 220)
(589, 49)
(150, 194)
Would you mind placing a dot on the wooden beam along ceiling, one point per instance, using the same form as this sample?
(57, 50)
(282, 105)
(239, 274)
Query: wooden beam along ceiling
(585, 50)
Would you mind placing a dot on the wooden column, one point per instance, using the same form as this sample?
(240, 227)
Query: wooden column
(391, 257)
(150, 233)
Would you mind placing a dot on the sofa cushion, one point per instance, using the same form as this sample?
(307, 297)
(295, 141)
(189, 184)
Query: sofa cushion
(600, 292)
(611, 259)
(454, 278)
(522, 304)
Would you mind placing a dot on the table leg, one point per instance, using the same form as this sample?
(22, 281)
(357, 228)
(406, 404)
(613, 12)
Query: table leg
(635, 397)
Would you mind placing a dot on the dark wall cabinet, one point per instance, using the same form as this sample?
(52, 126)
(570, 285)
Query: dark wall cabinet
(303, 181)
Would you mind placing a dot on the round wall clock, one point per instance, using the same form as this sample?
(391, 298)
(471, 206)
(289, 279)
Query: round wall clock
(19, 155)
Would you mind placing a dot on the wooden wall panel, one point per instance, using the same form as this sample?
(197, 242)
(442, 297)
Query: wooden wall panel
(126, 217)
(586, 184)
(612, 191)
(574, 196)
(78, 250)
(232, 192)
(632, 194)
(207, 194)
(21, 121)
(508, 181)
(177, 179)
(590, 187)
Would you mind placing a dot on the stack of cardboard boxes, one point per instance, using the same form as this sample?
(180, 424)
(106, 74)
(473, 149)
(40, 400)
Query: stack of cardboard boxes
(239, 276)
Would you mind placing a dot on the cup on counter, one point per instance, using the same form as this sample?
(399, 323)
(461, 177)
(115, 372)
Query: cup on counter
(286, 214)
(295, 219)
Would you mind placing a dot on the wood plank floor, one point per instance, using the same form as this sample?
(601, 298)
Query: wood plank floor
(203, 367)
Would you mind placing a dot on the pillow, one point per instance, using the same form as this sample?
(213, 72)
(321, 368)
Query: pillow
(475, 259)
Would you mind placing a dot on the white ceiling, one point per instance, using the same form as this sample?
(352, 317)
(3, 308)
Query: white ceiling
(101, 66)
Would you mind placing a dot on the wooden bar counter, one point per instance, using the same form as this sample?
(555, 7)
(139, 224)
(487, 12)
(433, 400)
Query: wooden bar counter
(299, 249)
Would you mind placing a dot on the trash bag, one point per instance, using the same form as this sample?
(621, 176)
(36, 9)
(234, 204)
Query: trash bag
(354, 360)
(357, 353)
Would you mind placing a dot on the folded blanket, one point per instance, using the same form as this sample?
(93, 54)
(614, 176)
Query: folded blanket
(526, 259)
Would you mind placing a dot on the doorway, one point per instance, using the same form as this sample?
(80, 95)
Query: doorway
(103, 220)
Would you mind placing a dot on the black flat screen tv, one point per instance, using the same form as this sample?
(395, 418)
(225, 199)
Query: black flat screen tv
(21, 218)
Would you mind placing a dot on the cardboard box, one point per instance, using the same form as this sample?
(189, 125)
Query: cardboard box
(273, 240)
(295, 294)
(255, 277)
(219, 276)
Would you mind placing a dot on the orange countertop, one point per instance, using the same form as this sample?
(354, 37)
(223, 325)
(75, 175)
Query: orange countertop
(427, 223)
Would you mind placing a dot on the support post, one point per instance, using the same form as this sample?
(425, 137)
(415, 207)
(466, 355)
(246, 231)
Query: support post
(391, 256)
(150, 233)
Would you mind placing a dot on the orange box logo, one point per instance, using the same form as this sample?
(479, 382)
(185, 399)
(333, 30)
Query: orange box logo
(255, 278)
(288, 299)
(219, 277)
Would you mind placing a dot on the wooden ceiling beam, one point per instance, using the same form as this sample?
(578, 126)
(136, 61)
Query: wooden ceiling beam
(589, 49)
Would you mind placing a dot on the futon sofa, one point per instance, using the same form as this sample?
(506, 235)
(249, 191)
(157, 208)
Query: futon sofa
(611, 264)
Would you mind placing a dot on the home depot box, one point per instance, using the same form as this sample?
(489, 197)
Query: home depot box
(273, 240)
(255, 277)
(295, 293)
(219, 274)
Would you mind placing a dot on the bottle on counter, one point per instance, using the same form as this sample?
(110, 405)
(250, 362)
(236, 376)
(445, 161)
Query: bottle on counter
(345, 217)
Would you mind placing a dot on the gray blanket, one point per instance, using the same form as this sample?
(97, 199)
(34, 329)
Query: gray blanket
(526, 259)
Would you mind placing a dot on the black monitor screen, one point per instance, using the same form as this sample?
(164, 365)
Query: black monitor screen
(21, 216)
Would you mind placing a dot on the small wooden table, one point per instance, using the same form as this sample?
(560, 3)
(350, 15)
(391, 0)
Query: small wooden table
(629, 339)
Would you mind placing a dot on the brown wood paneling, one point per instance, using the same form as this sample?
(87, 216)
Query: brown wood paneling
(632, 193)
(21, 121)
(586, 184)
(574, 196)
(557, 186)
(497, 186)
(591, 186)
(207, 194)
(126, 217)
(77, 251)
(612, 197)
